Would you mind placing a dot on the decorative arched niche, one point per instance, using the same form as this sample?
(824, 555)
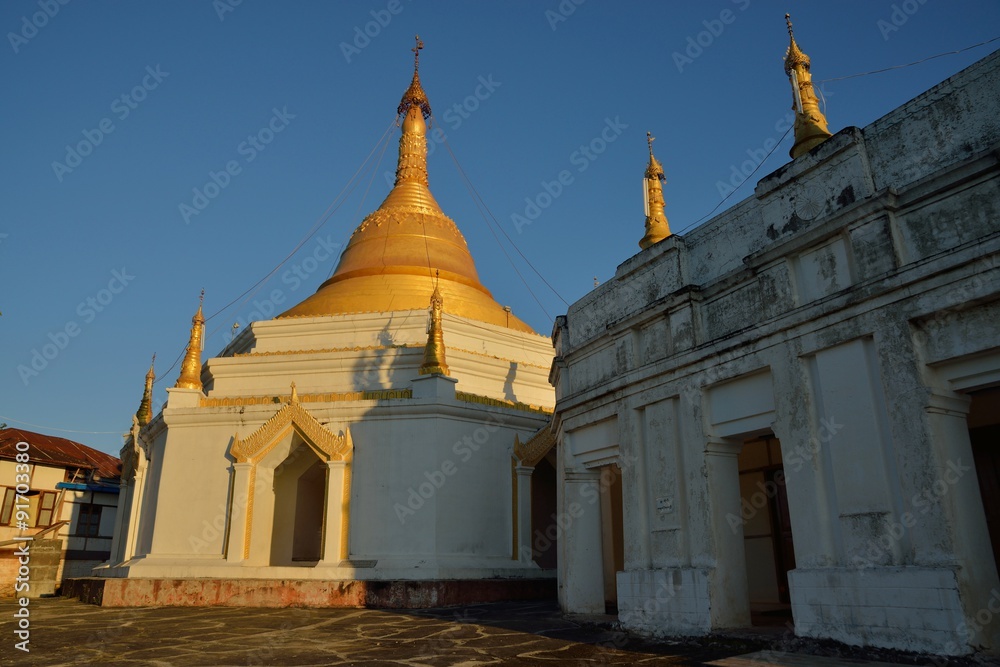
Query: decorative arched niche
(291, 492)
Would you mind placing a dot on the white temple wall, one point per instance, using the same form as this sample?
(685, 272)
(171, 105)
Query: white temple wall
(454, 456)
(851, 321)
(363, 352)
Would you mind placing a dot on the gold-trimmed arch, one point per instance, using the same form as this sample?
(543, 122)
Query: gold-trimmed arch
(524, 457)
(256, 446)
(329, 446)
(534, 449)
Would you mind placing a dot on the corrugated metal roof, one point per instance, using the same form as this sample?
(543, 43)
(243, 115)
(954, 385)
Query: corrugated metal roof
(60, 452)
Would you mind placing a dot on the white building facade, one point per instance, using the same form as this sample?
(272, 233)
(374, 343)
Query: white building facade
(795, 406)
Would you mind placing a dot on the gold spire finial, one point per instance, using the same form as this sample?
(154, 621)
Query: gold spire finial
(414, 95)
(657, 227)
(412, 164)
(434, 359)
(295, 394)
(145, 411)
(416, 52)
(190, 377)
(810, 124)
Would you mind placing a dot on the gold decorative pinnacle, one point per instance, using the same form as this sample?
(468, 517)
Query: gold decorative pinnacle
(434, 358)
(810, 124)
(190, 377)
(655, 169)
(295, 394)
(794, 57)
(415, 95)
(145, 411)
(657, 226)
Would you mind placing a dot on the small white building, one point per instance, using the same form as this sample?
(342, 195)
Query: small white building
(345, 441)
(795, 407)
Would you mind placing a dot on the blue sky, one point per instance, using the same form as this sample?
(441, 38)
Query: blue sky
(102, 262)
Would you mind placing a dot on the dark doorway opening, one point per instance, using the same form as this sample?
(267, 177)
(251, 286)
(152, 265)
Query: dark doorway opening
(612, 534)
(984, 434)
(767, 531)
(544, 531)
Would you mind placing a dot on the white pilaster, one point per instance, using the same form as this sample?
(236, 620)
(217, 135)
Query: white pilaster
(238, 511)
(337, 515)
(581, 566)
(728, 593)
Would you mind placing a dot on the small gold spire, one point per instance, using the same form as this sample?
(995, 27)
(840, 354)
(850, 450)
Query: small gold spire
(295, 394)
(657, 227)
(145, 411)
(810, 124)
(190, 377)
(414, 95)
(434, 361)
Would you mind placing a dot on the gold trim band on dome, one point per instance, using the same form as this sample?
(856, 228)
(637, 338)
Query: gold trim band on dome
(335, 397)
(501, 403)
(356, 348)
(373, 348)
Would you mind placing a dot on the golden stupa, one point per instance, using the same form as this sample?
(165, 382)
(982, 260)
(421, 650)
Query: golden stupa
(408, 246)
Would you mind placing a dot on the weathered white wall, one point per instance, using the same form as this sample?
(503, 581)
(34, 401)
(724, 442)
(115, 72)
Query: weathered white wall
(846, 307)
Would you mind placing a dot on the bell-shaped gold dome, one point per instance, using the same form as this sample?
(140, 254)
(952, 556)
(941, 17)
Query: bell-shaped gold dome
(408, 246)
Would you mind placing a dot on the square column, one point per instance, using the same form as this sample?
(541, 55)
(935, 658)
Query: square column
(336, 518)
(119, 538)
(238, 511)
(727, 589)
(581, 565)
(523, 552)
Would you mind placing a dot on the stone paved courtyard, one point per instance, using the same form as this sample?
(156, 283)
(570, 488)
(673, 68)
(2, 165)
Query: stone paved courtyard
(68, 632)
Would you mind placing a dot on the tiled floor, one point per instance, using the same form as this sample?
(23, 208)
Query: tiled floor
(68, 632)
